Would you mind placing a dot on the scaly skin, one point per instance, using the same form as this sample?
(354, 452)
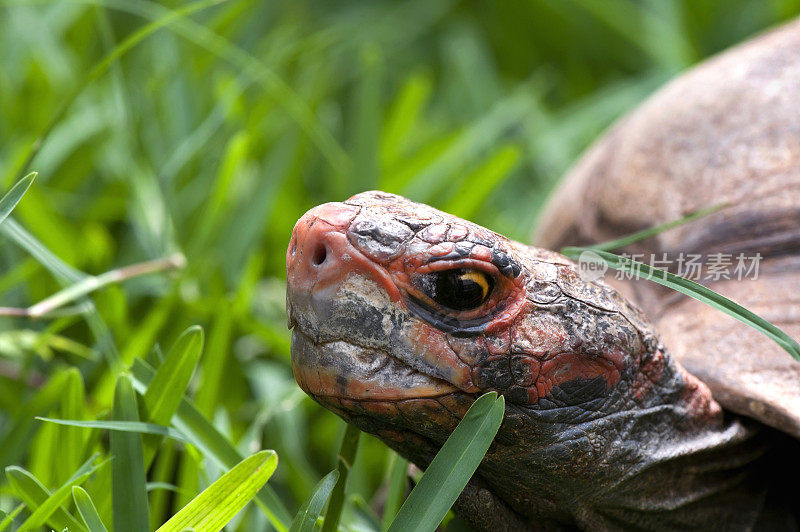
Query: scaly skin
(603, 429)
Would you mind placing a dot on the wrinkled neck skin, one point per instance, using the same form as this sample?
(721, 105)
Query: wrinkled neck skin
(667, 460)
(603, 429)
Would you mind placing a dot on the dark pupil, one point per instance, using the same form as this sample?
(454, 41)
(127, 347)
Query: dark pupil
(456, 290)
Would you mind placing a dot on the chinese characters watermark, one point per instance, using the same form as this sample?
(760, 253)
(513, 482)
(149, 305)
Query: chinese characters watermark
(692, 266)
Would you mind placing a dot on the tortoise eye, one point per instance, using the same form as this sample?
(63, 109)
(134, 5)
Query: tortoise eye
(459, 289)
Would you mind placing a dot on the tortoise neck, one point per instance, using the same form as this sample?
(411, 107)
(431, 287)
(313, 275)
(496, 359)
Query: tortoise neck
(657, 379)
(670, 455)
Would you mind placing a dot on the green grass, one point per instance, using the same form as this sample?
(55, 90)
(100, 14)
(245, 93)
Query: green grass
(203, 130)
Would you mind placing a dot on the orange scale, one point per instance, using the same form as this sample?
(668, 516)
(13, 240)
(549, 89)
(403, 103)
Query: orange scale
(498, 343)
(567, 367)
(391, 435)
(481, 253)
(430, 412)
(433, 348)
(349, 404)
(457, 232)
(456, 404)
(383, 409)
(443, 248)
(434, 233)
(413, 262)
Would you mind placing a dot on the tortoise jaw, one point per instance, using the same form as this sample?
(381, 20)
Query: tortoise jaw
(340, 369)
(411, 411)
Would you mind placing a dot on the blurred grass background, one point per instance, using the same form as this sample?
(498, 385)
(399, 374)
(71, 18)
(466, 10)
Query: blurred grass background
(211, 135)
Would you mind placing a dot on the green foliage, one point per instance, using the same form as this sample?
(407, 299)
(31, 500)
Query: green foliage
(122, 426)
(217, 504)
(30, 491)
(213, 444)
(452, 467)
(307, 515)
(43, 513)
(203, 130)
(165, 391)
(128, 481)
(396, 490)
(87, 510)
(10, 200)
(347, 455)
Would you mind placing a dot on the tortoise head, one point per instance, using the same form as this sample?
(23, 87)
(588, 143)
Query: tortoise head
(403, 314)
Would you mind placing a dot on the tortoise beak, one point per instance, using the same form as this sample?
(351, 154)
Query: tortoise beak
(319, 259)
(317, 251)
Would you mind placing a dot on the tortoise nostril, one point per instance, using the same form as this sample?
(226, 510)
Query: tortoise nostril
(320, 254)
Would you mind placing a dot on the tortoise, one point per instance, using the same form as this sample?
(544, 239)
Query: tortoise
(627, 406)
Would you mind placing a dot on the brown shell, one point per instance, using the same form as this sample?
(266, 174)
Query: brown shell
(726, 131)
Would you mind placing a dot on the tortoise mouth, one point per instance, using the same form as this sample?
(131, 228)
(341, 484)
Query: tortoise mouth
(341, 369)
(407, 409)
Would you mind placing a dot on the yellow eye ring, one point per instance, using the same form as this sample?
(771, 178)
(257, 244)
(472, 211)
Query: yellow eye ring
(479, 278)
(459, 289)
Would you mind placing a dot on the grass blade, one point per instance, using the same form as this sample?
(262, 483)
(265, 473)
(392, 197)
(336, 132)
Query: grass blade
(87, 510)
(71, 440)
(214, 445)
(693, 290)
(90, 284)
(397, 489)
(42, 514)
(122, 426)
(10, 200)
(163, 472)
(165, 391)
(25, 240)
(479, 135)
(222, 500)
(403, 116)
(163, 486)
(10, 516)
(452, 467)
(483, 181)
(33, 494)
(652, 231)
(129, 486)
(309, 512)
(347, 456)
